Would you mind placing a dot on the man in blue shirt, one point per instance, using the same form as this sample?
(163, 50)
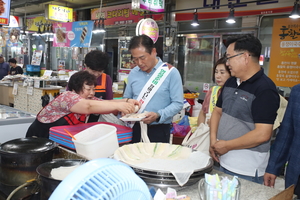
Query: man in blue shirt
(168, 99)
(4, 67)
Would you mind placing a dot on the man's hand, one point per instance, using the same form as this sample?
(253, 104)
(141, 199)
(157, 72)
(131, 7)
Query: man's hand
(269, 179)
(150, 117)
(220, 147)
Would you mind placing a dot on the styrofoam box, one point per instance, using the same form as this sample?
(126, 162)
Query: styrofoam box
(98, 141)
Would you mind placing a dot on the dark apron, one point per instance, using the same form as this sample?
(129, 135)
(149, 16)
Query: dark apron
(40, 129)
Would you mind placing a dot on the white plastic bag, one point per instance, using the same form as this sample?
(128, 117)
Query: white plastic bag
(199, 140)
(110, 118)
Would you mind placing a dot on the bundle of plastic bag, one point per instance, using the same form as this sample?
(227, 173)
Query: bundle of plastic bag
(181, 128)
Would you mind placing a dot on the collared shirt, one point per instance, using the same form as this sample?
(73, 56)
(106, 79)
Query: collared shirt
(253, 101)
(168, 99)
(286, 145)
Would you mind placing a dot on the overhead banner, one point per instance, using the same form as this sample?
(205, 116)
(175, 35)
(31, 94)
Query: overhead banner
(10, 37)
(151, 5)
(83, 33)
(73, 34)
(33, 22)
(121, 14)
(61, 31)
(4, 12)
(285, 52)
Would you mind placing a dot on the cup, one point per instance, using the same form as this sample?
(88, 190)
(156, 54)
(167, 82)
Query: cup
(211, 192)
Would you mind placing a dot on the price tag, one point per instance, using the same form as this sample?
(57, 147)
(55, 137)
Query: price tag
(205, 87)
(47, 73)
(36, 83)
(15, 89)
(30, 91)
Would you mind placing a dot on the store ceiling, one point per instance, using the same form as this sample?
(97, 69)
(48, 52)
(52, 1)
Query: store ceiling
(37, 7)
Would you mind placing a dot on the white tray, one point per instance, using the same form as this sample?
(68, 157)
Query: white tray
(126, 119)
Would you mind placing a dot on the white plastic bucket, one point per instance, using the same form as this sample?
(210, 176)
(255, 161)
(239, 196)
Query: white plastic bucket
(98, 141)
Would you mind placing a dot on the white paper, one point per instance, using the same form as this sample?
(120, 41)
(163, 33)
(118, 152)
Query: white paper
(30, 90)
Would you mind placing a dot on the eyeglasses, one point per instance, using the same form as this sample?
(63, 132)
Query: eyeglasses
(227, 58)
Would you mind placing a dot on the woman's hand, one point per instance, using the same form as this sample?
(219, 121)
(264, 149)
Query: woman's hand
(126, 107)
(133, 101)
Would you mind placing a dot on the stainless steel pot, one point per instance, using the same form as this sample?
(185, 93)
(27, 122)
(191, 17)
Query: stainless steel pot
(46, 182)
(19, 159)
(164, 179)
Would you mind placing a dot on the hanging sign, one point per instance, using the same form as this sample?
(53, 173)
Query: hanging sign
(59, 13)
(81, 33)
(32, 22)
(285, 52)
(121, 14)
(151, 5)
(61, 38)
(4, 12)
(148, 27)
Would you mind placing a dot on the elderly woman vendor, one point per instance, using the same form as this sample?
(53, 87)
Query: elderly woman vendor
(73, 107)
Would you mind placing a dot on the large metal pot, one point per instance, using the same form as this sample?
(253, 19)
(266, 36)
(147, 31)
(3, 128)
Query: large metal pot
(19, 159)
(46, 182)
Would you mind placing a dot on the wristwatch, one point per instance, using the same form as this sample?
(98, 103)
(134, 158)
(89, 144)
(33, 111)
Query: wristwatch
(158, 118)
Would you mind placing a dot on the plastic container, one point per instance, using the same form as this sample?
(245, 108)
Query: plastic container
(33, 68)
(98, 141)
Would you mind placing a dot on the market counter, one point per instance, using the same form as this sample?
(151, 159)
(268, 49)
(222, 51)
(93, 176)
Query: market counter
(249, 190)
(30, 100)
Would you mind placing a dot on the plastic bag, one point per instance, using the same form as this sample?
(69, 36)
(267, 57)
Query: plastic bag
(181, 128)
(110, 118)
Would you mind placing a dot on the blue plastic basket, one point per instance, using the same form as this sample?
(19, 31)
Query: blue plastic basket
(33, 68)
(102, 179)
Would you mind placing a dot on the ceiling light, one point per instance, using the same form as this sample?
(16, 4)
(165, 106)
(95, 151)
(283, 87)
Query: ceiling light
(231, 19)
(295, 13)
(195, 21)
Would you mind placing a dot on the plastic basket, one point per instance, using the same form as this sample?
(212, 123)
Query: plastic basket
(102, 179)
(98, 141)
(33, 68)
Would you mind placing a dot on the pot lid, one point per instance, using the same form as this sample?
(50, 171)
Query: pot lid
(27, 145)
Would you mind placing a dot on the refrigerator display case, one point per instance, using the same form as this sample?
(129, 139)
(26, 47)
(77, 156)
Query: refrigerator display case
(198, 56)
(13, 123)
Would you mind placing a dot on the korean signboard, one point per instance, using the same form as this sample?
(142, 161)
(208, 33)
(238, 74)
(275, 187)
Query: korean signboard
(285, 52)
(121, 14)
(4, 12)
(151, 5)
(59, 13)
